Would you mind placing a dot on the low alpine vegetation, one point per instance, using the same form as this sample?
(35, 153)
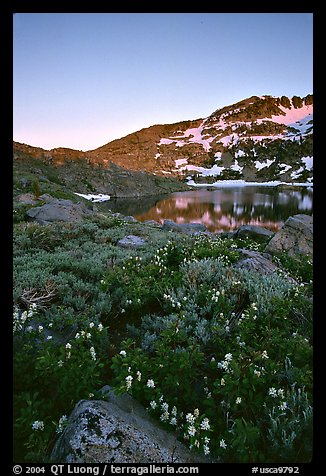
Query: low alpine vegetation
(221, 356)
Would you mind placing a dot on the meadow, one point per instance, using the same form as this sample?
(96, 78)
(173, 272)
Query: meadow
(220, 356)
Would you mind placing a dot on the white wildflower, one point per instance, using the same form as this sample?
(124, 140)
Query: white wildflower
(100, 327)
(123, 353)
(38, 425)
(264, 355)
(190, 418)
(223, 444)
(153, 404)
(173, 421)
(205, 424)
(129, 380)
(150, 383)
(283, 406)
(272, 392)
(228, 357)
(68, 346)
(138, 373)
(165, 416)
(93, 353)
(60, 363)
(238, 400)
(61, 423)
(49, 338)
(40, 328)
(192, 430)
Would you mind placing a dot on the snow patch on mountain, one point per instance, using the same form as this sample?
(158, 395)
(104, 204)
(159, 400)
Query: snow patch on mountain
(193, 135)
(261, 165)
(308, 162)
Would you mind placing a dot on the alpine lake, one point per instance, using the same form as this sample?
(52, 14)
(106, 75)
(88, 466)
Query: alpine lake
(221, 209)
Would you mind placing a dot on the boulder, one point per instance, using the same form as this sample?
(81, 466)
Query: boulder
(259, 262)
(27, 198)
(188, 228)
(256, 261)
(117, 431)
(58, 210)
(258, 233)
(295, 237)
(131, 241)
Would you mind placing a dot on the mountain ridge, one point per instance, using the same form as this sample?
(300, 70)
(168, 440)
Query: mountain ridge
(256, 139)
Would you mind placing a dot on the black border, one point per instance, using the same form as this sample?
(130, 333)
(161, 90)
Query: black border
(8, 9)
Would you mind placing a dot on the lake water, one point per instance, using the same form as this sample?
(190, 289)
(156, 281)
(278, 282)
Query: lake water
(221, 209)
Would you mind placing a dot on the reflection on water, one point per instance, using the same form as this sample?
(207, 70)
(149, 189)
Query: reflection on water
(221, 209)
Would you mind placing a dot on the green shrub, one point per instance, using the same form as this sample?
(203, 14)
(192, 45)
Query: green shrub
(36, 188)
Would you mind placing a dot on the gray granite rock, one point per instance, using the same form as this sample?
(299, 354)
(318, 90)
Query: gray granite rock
(295, 237)
(258, 233)
(187, 228)
(131, 241)
(117, 431)
(58, 210)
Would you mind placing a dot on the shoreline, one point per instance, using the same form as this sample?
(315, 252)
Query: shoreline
(243, 183)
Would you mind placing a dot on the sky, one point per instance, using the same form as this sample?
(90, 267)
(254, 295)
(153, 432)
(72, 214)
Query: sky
(81, 80)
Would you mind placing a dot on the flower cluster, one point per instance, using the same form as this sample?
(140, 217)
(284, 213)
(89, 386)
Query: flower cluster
(38, 425)
(195, 428)
(62, 423)
(132, 263)
(20, 318)
(225, 364)
(215, 294)
(87, 334)
(174, 302)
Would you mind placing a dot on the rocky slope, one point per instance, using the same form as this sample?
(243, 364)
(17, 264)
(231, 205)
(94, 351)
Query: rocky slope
(261, 138)
(257, 139)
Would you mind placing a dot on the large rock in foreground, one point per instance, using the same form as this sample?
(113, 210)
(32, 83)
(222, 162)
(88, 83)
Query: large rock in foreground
(58, 210)
(117, 431)
(295, 237)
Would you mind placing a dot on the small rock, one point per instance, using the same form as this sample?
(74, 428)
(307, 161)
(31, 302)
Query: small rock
(27, 198)
(153, 223)
(188, 228)
(258, 233)
(131, 241)
(130, 219)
